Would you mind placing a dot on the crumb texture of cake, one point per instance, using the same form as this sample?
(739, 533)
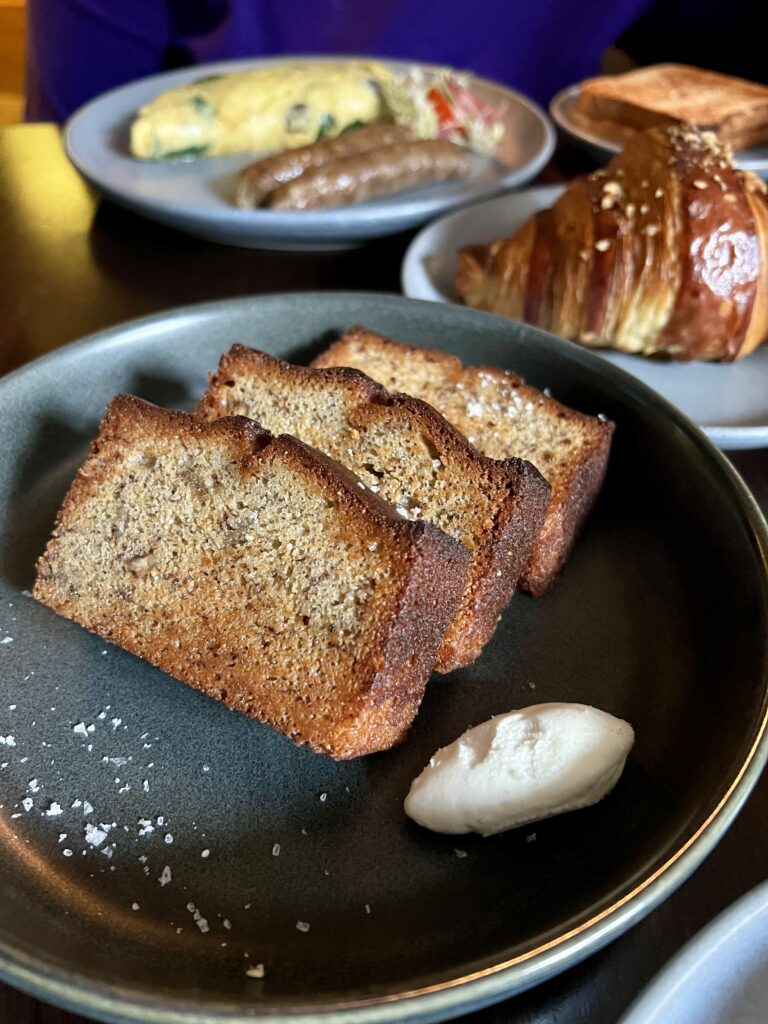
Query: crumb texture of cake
(256, 570)
(405, 451)
(502, 417)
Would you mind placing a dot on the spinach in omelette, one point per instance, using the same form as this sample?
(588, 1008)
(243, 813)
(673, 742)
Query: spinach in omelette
(267, 109)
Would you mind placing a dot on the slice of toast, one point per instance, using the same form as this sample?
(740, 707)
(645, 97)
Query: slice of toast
(405, 451)
(503, 417)
(256, 570)
(612, 105)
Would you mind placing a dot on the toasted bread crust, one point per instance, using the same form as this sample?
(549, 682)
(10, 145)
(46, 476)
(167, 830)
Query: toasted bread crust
(440, 378)
(615, 106)
(498, 506)
(355, 695)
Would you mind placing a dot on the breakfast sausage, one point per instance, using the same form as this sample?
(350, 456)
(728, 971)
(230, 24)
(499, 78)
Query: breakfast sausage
(259, 179)
(382, 172)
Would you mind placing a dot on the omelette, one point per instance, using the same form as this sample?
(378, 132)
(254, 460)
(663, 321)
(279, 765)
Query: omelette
(267, 109)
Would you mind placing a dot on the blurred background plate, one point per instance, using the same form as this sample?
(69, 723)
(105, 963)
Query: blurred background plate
(728, 400)
(221, 836)
(560, 107)
(197, 196)
(720, 977)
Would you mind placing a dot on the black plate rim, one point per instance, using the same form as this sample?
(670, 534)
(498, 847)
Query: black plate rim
(122, 1005)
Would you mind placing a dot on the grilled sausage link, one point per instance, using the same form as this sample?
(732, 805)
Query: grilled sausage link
(259, 179)
(382, 172)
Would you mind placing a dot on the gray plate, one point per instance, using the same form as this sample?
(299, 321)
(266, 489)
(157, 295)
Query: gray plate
(197, 196)
(661, 618)
(729, 401)
(560, 107)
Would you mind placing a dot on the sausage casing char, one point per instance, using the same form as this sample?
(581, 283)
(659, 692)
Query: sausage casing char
(370, 175)
(259, 179)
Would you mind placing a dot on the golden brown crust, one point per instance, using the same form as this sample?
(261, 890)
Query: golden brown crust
(354, 697)
(500, 566)
(572, 501)
(543, 424)
(494, 507)
(663, 251)
(616, 106)
(758, 326)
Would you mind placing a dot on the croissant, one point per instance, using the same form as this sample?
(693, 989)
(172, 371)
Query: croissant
(663, 251)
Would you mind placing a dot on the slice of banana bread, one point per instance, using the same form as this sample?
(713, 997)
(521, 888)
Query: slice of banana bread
(503, 417)
(404, 450)
(256, 570)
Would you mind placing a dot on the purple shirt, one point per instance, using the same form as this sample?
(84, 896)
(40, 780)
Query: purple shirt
(80, 48)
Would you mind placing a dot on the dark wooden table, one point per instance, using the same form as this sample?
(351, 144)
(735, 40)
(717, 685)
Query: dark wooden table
(69, 265)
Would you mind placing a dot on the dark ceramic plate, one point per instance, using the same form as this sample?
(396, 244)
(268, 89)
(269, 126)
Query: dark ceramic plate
(661, 618)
